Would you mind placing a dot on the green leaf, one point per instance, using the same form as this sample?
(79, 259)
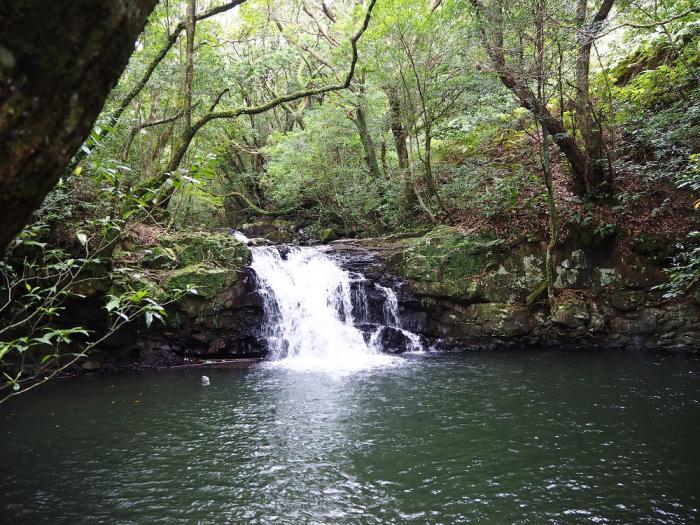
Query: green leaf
(113, 303)
(82, 238)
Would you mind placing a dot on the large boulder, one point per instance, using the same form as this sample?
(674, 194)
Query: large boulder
(476, 291)
(394, 340)
(208, 280)
(220, 317)
(445, 261)
(276, 231)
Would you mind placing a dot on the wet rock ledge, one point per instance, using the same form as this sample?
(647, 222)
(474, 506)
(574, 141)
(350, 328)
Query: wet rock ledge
(469, 291)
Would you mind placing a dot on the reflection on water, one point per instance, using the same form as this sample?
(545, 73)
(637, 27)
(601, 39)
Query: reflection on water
(485, 437)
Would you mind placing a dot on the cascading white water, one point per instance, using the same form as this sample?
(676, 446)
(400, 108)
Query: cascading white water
(309, 313)
(392, 319)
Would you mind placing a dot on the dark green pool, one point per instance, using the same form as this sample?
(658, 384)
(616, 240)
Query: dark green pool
(550, 437)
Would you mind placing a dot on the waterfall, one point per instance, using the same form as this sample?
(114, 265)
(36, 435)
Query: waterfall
(392, 320)
(315, 311)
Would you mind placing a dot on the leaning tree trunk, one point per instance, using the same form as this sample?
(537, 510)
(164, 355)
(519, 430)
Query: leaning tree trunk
(58, 62)
(399, 133)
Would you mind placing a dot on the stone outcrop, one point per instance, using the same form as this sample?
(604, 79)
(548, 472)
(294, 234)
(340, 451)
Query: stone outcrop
(220, 318)
(475, 292)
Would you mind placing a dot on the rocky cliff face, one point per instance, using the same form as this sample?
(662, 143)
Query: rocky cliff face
(457, 291)
(221, 320)
(475, 292)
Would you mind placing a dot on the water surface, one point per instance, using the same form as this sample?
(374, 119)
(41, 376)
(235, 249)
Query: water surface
(537, 437)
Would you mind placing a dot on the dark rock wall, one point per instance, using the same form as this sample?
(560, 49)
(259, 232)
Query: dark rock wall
(605, 297)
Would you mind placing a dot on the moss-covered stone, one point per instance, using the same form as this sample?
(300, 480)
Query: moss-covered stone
(626, 300)
(448, 259)
(327, 235)
(217, 248)
(503, 320)
(572, 312)
(276, 231)
(133, 280)
(208, 280)
(516, 276)
(160, 258)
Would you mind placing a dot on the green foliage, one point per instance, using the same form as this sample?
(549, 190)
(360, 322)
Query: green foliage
(322, 168)
(38, 281)
(684, 272)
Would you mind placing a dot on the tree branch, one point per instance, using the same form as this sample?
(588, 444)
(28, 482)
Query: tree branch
(133, 93)
(189, 134)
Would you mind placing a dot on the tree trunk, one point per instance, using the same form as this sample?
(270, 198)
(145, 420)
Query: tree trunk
(367, 143)
(553, 217)
(591, 131)
(494, 44)
(360, 119)
(553, 125)
(399, 133)
(428, 160)
(59, 62)
(189, 60)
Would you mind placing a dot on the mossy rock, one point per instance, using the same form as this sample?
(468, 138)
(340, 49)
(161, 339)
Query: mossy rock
(135, 280)
(327, 235)
(217, 248)
(503, 320)
(446, 256)
(658, 250)
(626, 300)
(572, 313)
(276, 231)
(516, 277)
(160, 258)
(466, 290)
(208, 280)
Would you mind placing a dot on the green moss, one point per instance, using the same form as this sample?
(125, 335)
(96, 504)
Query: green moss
(132, 280)
(208, 280)
(159, 257)
(534, 295)
(327, 235)
(217, 248)
(447, 257)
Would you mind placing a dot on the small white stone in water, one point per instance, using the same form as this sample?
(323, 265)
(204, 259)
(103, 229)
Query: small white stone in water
(205, 381)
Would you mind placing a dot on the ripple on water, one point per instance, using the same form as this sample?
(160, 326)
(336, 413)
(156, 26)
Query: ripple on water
(485, 437)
